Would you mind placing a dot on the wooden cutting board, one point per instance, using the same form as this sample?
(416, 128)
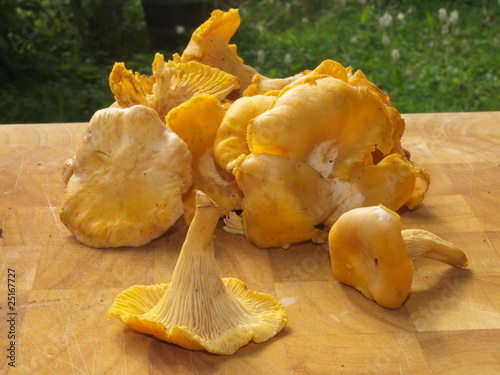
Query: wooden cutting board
(62, 290)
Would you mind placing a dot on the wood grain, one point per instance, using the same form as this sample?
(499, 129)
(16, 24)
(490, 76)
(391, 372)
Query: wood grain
(449, 325)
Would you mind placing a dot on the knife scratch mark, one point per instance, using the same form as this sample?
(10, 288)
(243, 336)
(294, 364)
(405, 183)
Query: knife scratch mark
(68, 308)
(51, 208)
(45, 188)
(463, 179)
(193, 367)
(124, 352)
(80, 351)
(18, 177)
(39, 350)
(71, 363)
(402, 344)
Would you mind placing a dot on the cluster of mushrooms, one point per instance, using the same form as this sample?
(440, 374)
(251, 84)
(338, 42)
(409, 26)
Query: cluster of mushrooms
(206, 137)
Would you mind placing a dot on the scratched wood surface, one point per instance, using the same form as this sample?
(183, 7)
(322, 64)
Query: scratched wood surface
(449, 325)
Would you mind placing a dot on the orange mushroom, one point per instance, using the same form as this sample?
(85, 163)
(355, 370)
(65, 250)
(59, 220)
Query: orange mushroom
(370, 252)
(209, 45)
(198, 309)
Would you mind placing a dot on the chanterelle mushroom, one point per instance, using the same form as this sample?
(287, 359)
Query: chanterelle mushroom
(196, 122)
(125, 184)
(371, 253)
(197, 309)
(292, 189)
(348, 132)
(209, 45)
(171, 84)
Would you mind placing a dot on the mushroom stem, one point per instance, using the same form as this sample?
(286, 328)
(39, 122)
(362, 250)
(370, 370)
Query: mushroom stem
(422, 243)
(201, 229)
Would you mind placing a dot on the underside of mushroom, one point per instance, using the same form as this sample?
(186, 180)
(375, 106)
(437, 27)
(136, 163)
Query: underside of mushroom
(198, 309)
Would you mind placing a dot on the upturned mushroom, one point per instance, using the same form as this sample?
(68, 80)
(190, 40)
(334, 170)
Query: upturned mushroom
(370, 252)
(125, 184)
(198, 309)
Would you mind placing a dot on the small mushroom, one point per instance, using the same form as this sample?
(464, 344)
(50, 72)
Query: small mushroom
(371, 253)
(198, 309)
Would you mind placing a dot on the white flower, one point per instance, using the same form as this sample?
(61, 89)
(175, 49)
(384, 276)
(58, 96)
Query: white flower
(442, 14)
(385, 20)
(261, 56)
(354, 40)
(401, 17)
(385, 39)
(287, 59)
(395, 55)
(453, 17)
(179, 29)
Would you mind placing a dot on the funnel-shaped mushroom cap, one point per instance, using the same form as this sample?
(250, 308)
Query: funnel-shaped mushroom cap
(197, 309)
(368, 253)
(125, 184)
(209, 45)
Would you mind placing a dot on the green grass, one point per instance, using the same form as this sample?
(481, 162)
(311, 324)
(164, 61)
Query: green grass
(425, 62)
(426, 59)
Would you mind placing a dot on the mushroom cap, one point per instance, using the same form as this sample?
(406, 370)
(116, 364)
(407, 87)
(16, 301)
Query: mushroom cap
(330, 110)
(338, 123)
(177, 82)
(130, 88)
(205, 324)
(209, 45)
(198, 309)
(367, 252)
(327, 68)
(231, 140)
(284, 200)
(125, 184)
(171, 84)
(196, 122)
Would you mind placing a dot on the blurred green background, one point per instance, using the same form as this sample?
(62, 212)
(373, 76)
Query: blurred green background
(429, 56)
